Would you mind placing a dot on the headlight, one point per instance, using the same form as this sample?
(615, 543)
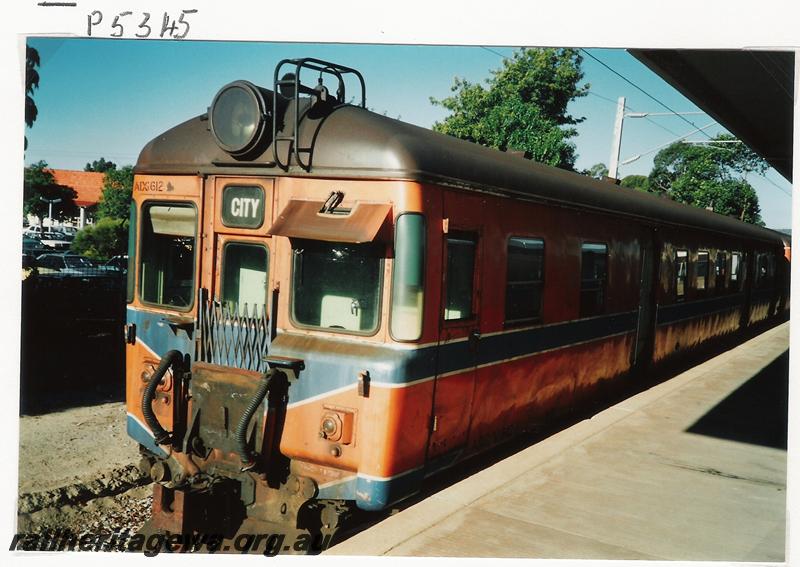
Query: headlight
(239, 116)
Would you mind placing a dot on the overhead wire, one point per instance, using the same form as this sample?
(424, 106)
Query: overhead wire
(493, 51)
(650, 151)
(640, 89)
(771, 182)
(628, 107)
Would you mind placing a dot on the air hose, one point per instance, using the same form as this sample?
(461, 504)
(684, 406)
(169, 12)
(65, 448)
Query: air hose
(175, 359)
(248, 457)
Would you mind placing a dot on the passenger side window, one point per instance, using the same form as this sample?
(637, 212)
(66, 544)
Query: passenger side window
(765, 270)
(736, 269)
(460, 275)
(524, 279)
(681, 269)
(701, 270)
(594, 272)
(244, 279)
(721, 272)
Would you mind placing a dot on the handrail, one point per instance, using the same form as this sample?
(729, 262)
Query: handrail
(297, 87)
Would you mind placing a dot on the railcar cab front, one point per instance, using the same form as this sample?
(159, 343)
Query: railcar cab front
(324, 287)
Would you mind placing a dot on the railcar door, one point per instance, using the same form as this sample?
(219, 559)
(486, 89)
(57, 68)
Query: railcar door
(234, 314)
(645, 324)
(745, 282)
(459, 334)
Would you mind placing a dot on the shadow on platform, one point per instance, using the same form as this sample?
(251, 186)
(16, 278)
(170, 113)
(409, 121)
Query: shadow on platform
(757, 412)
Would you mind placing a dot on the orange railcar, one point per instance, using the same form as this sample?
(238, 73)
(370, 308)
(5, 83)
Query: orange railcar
(327, 305)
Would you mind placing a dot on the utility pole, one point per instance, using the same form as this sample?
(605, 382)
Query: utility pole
(613, 163)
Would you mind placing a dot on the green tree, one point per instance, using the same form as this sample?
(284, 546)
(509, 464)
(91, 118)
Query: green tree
(40, 186)
(597, 171)
(635, 182)
(31, 84)
(100, 165)
(710, 176)
(523, 106)
(100, 241)
(117, 193)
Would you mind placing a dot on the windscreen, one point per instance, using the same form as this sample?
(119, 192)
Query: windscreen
(337, 286)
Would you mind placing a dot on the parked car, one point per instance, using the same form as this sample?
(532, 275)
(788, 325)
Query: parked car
(70, 231)
(57, 240)
(66, 265)
(32, 245)
(117, 264)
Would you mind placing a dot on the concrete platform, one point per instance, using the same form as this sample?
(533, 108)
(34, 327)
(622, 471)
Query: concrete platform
(691, 469)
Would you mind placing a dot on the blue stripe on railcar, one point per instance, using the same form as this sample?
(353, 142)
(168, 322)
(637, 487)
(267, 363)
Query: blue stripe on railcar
(155, 332)
(668, 314)
(328, 368)
(142, 435)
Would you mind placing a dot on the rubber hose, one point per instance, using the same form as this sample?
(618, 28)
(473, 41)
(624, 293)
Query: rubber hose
(172, 358)
(248, 457)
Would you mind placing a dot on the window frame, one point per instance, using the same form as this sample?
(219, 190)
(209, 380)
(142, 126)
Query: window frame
(461, 234)
(195, 255)
(604, 288)
(131, 279)
(527, 320)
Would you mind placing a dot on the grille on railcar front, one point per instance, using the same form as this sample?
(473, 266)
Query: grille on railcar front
(233, 335)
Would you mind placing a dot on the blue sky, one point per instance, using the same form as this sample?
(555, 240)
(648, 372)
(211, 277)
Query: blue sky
(108, 98)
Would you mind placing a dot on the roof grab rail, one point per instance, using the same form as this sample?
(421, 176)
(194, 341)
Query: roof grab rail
(290, 86)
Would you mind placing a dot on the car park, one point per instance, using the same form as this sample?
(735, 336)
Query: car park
(32, 245)
(117, 264)
(32, 230)
(57, 240)
(66, 265)
(70, 231)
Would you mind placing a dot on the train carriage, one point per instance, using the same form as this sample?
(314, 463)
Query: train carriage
(326, 305)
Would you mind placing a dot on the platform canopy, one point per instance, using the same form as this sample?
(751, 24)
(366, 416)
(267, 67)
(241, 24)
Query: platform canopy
(749, 92)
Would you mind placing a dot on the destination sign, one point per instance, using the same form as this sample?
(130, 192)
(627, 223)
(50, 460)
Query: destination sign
(243, 206)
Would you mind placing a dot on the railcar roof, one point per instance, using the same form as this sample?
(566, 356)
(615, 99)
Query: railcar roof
(352, 142)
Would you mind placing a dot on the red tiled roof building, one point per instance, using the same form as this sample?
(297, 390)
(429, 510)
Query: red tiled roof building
(87, 184)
